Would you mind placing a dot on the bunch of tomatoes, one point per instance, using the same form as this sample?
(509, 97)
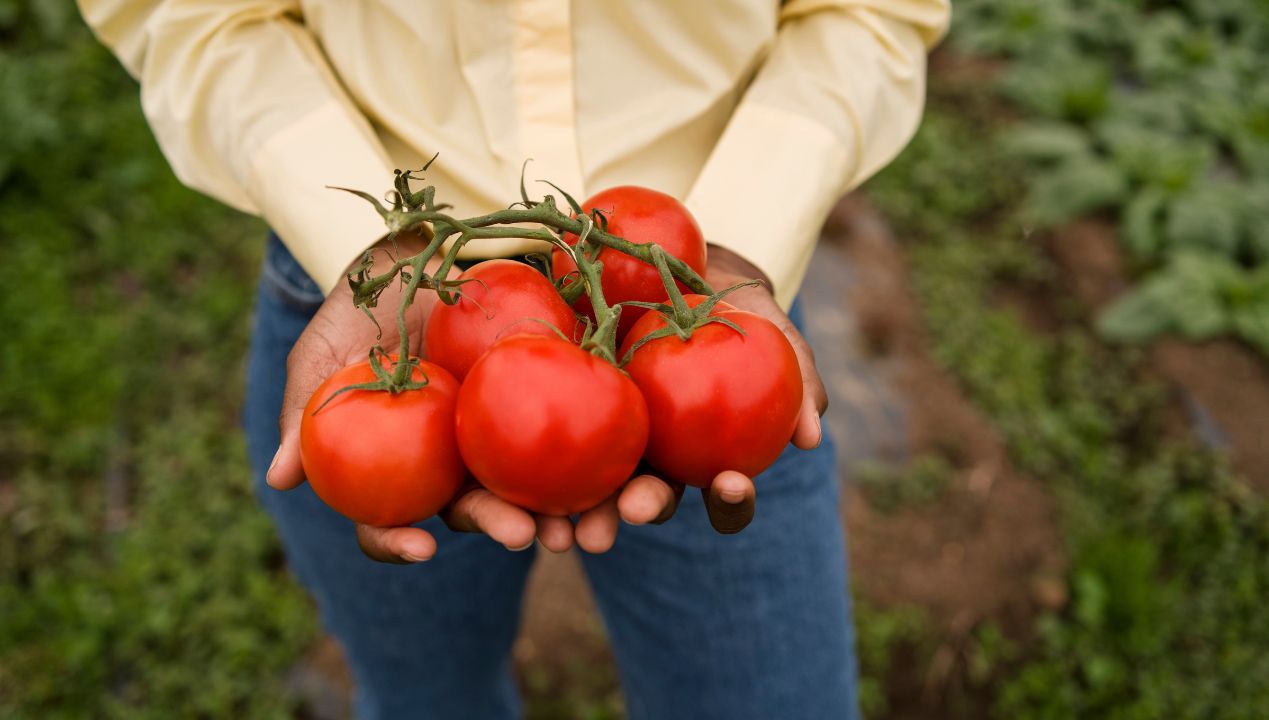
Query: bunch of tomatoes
(553, 406)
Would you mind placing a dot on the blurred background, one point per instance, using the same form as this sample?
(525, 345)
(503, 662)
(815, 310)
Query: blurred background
(1046, 328)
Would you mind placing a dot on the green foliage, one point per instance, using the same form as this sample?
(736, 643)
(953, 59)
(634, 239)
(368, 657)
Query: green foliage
(582, 689)
(1169, 564)
(1196, 296)
(917, 483)
(1166, 126)
(882, 636)
(137, 576)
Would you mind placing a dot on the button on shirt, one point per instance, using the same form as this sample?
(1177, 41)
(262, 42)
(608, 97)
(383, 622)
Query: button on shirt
(758, 114)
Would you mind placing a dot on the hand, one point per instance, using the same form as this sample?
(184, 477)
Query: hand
(729, 500)
(726, 268)
(340, 334)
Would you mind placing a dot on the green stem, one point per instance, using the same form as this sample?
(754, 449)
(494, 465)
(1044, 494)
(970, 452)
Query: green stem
(603, 341)
(411, 210)
(682, 313)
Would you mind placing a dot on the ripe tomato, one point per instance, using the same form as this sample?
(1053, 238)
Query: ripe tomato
(719, 401)
(549, 427)
(383, 459)
(505, 297)
(639, 215)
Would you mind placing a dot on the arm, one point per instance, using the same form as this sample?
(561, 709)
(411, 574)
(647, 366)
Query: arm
(247, 110)
(839, 95)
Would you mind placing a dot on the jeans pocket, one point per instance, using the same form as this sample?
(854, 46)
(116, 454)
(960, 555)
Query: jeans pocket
(283, 277)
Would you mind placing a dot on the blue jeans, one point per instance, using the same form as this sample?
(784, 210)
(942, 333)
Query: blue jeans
(755, 625)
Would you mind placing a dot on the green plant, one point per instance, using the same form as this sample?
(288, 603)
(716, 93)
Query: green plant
(137, 576)
(883, 636)
(1165, 127)
(919, 482)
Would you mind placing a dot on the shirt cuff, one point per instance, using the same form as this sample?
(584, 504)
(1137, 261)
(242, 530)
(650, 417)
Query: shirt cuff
(766, 189)
(325, 229)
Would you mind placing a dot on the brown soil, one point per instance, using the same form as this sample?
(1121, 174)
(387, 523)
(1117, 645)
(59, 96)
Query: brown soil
(989, 549)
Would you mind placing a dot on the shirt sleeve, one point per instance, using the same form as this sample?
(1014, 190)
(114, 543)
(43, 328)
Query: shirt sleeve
(840, 93)
(246, 109)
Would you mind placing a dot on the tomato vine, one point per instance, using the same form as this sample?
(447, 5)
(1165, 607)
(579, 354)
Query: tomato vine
(409, 210)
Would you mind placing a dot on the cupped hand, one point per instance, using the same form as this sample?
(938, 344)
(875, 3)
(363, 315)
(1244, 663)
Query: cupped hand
(726, 269)
(729, 499)
(339, 334)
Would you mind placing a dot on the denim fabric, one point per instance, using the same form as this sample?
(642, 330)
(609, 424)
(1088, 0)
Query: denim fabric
(755, 625)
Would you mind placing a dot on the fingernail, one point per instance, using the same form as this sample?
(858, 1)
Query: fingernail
(731, 497)
(268, 475)
(819, 429)
(413, 558)
(526, 546)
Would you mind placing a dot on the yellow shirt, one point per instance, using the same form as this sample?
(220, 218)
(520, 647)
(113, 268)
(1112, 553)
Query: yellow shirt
(758, 114)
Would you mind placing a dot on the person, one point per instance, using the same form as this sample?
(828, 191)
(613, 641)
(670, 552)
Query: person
(758, 114)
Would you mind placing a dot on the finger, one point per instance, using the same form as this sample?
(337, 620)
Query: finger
(308, 365)
(809, 432)
(812, 385)
(396, 544)
(481, 511)
(647, 499)
(729, 500)
(597, 528)
(555, 533)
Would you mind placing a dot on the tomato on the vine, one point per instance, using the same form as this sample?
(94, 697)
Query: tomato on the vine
(719, 400)
(640, 215)
(502, 297)
(381, 458)
(549, 427)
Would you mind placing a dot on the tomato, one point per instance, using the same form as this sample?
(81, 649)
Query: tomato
(549, 427)
(639, 215)
(718, 401)
(378, 458)
(504, 297)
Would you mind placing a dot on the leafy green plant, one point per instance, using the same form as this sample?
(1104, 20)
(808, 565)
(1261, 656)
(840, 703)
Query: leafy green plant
(1195, 296)
(1165, 127)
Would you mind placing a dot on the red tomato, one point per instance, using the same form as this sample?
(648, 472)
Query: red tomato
(549, 427)
(383, 459)
(639, 215)
(719, 401)
(505, 297)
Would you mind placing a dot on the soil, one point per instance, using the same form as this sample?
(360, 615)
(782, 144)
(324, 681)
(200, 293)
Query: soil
(988, 549)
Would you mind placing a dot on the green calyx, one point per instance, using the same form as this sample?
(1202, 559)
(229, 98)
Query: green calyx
(681, 320)
(399, 380)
